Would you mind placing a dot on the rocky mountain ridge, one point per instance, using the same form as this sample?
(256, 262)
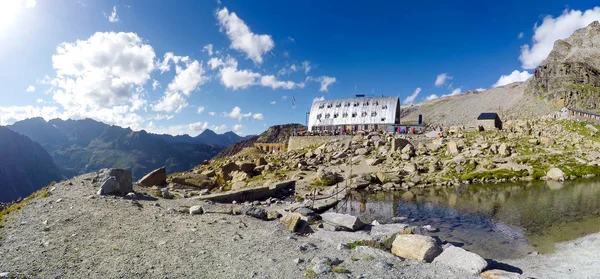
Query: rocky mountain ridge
(81, 146)
(275, 134)
(25, 166)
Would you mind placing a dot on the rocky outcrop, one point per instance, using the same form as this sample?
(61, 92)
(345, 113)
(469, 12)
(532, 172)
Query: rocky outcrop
(570, 76)
(157, 177)
(555, 174)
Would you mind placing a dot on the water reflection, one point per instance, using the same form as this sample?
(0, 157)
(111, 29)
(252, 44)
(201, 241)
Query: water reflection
(496, 221)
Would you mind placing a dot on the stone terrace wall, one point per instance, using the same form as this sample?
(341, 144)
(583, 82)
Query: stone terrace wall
(299, 142)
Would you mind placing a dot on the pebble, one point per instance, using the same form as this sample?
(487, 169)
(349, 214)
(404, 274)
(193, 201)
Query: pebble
(383, 265)
(342, 246)
(59, 200)
(298, 260)
(321, 260)
(321, 269)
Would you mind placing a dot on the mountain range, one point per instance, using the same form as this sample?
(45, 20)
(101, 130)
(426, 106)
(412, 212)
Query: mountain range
(24, 166)
(82, 146)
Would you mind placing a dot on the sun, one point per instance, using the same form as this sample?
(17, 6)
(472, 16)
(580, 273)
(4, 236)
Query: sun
(9, 9)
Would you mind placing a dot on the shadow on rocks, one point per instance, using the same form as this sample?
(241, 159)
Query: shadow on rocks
(493, 264)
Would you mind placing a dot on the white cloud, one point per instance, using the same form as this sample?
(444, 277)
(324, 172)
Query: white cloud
(258, 116)
(324, 80)
(208, 48)
(283, 97)
(169, 57)
(171, 101)
(410, 99)
(454, 92)
(242, 38)
(13, 114)
(30, 88)
(441, 79)
(271, 81)
(163, 117)
(233, 78)
(306, 66)
(322, 98)
(219, 129)
(273, 102)
(30, 4)
(198, 126)
(188, 79)
(101, 71)
(515, 76)
(238, 127)
(236, 113)
(432, 97)
(292, 40)
(113, 17)
(200, 110)
(155, 84)
(553, 29)
(520, 36)
(40, 101)
(212, 113)
(480, 89)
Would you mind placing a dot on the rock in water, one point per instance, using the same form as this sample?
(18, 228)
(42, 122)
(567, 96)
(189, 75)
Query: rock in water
(114, 180)
(156, 177)
(555, 174)
(417, 247)
(291, 221)
(462, 259)
(345, 221)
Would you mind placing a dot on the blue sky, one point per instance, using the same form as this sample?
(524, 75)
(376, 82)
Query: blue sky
(183, 66)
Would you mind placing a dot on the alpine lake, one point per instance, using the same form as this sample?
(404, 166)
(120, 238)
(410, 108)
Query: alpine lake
(497, 221)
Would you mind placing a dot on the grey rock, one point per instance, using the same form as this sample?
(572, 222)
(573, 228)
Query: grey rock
(383, 265)
(321, 260)
(165, 193)
(361, 151)
(256, 212)
(298, 260)
(196, 209)
(156, 177)
(386, 231)
(555, 174)
(131, 195)
(345, 221)
(399, 144)
(459, 258)
(321, 269)
(114, 180)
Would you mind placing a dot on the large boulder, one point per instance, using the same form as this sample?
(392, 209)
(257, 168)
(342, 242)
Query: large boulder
(452, 148)
(344, 221)
(555, 174)
(227, 169)
(156, 177)
(416, 247)
(246, 166)
(114, 181)
(461, 259)
(291, 221)
(399, 144)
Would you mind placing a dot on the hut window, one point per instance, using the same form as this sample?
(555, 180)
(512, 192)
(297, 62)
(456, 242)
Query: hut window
(319, 116)
(373, 114)
(338, 105)
(365, 104)
(329, 105)
(322, 106)
(347, 104)
(356, 104)
(327, 116)
(354, 114)
(383, 119)
(384, 107)
(335, 115)
(376, 103)
(363, 114)
(345, 114)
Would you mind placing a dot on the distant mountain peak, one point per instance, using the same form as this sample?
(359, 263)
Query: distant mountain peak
(208, 132)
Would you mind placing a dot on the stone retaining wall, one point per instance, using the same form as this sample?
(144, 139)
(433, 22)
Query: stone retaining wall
(295, 143)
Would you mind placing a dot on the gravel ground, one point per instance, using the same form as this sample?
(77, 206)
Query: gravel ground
(574, 259)
(77, 234)
(509, 101)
